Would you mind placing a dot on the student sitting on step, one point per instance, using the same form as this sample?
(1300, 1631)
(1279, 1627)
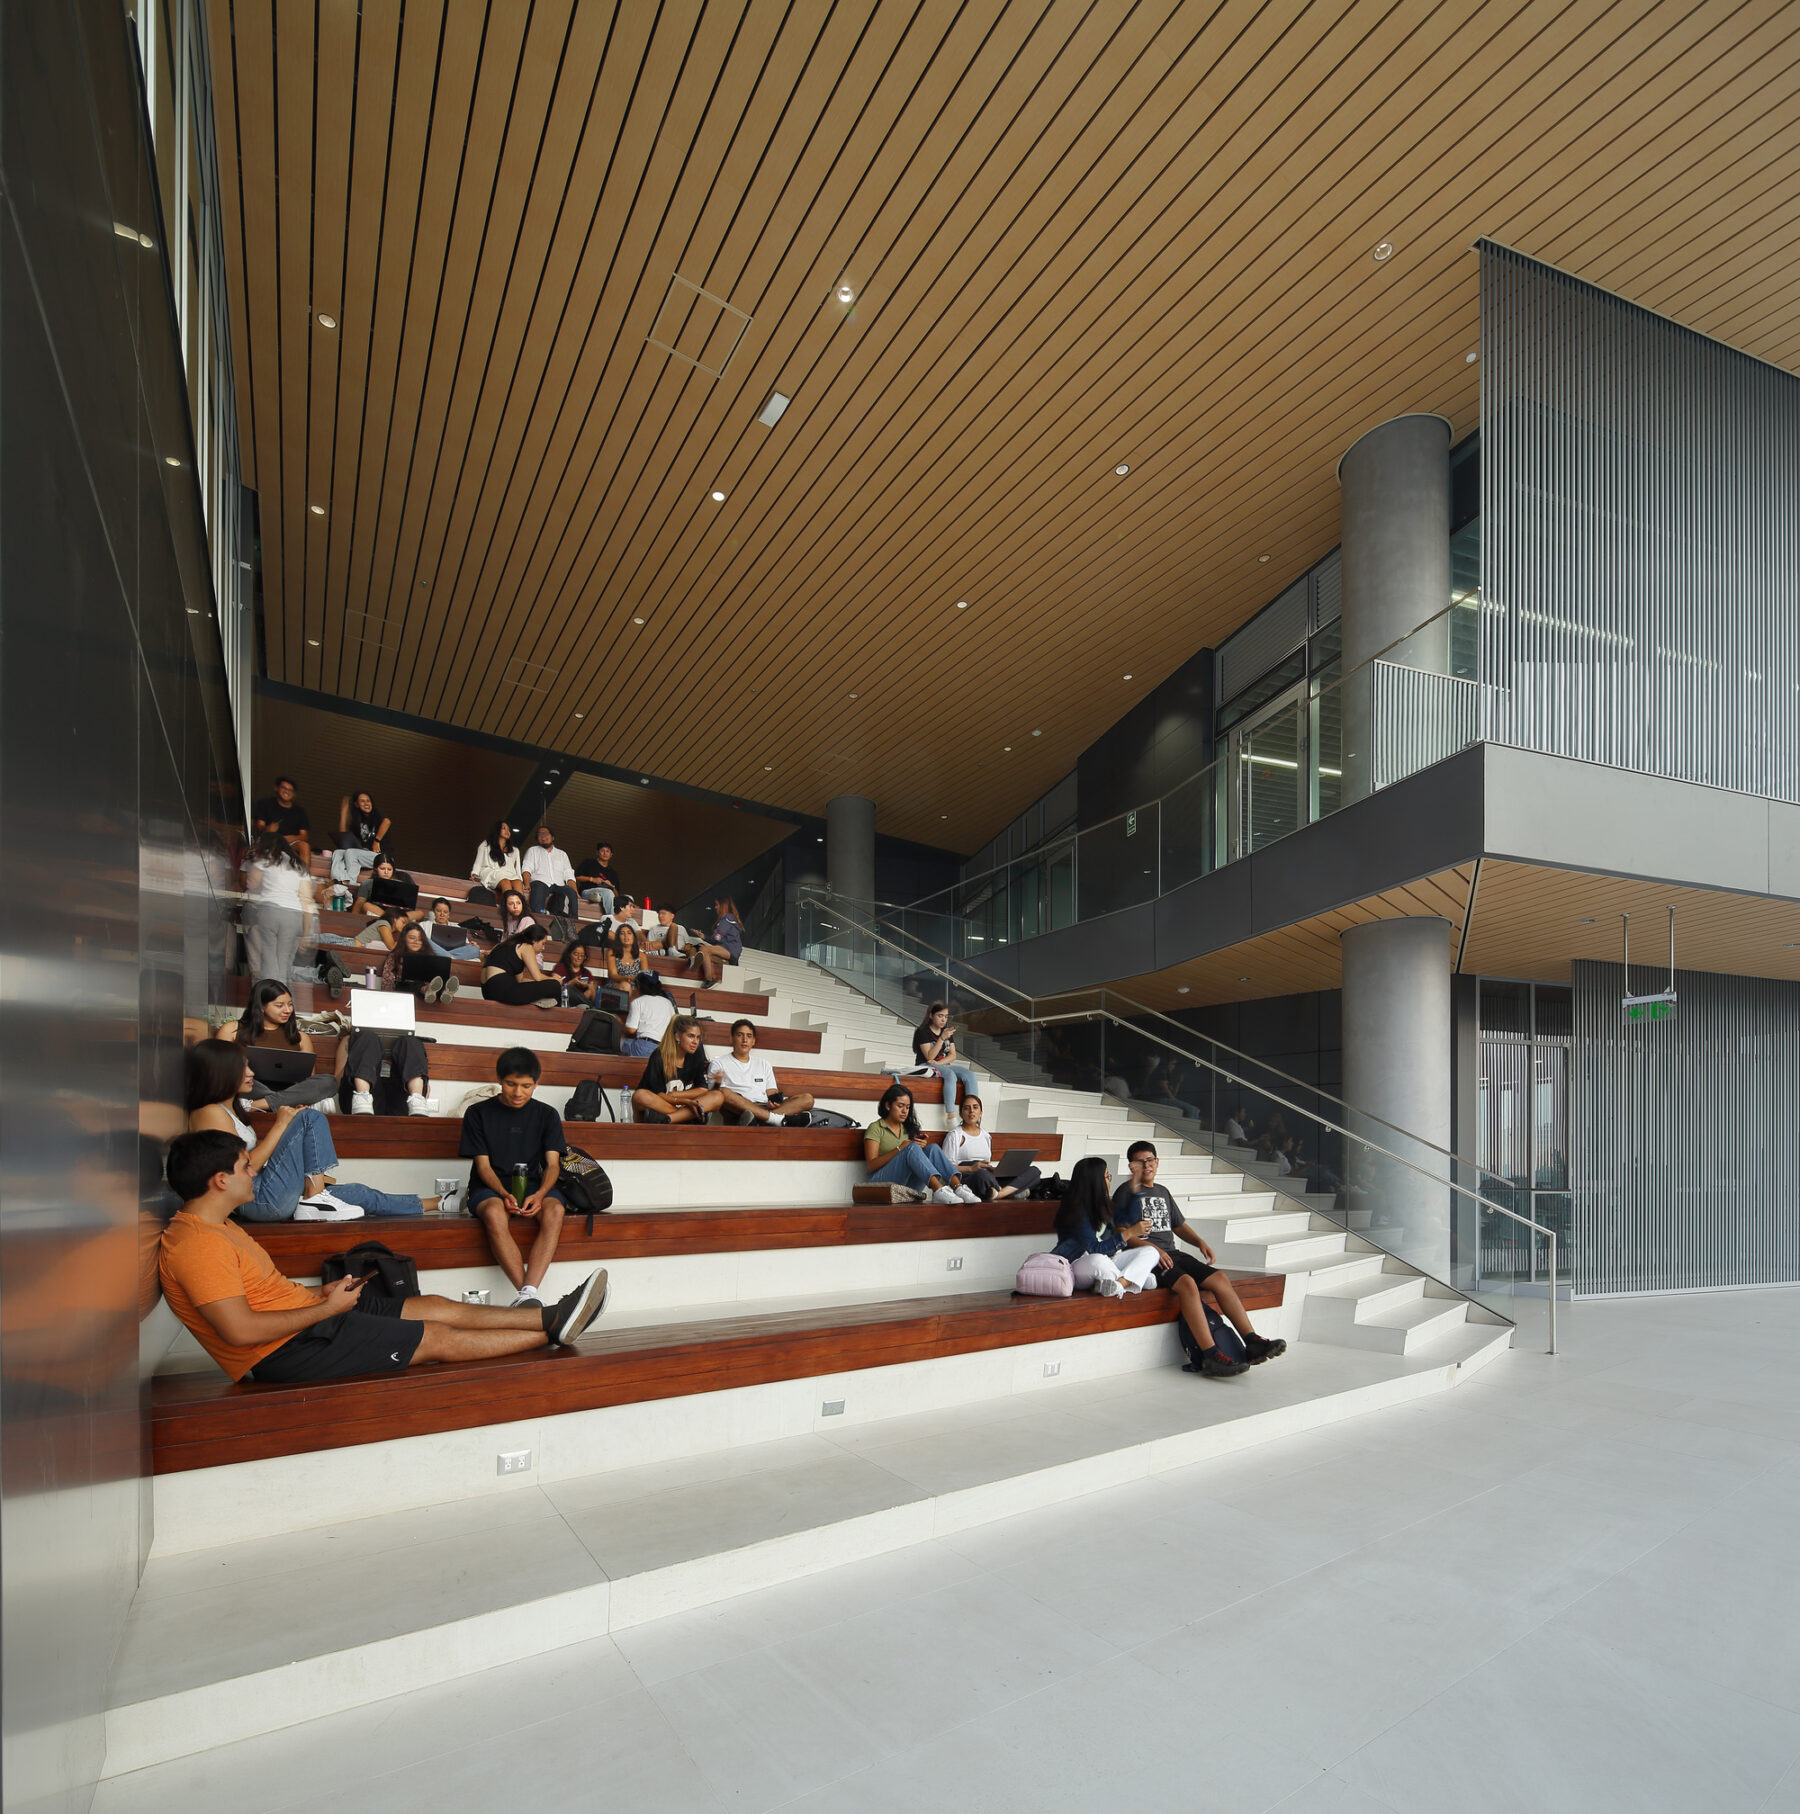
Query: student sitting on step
(1088, 1237)
(1146, 1215)
(747, 1082)
(448, 937)
(723, 945)
(517, 1144)
(228, 1292)
(269, 1023)
(968, 1148)
(666, 935)
(572, 968)
(551, 876)
(497, 862)
(511, 972)
(281, 814)
(418, 967)
(896, 1152)
(674, 1085)
(597, 881)
(648, 1017)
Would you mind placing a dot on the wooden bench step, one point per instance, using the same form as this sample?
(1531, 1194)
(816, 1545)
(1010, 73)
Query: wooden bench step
(439, 1243)
(428, 1137)
(202, 1420)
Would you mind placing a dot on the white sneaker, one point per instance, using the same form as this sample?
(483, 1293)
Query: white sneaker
(945, 1196)
(451, 985)
(450, 1203)
(527, 1295)
(362, 1102)
(422, 1105)
(1110, 1288)
(965, 1195)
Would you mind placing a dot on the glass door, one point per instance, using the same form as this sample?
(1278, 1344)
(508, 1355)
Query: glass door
(1267, 758)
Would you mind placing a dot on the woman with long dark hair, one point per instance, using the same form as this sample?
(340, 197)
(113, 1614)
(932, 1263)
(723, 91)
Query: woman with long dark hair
(515, 916)
(1088, 1239)
(723, 945)
(278, 899)
(625, 958)
(511, 973)
(292, 1161)
(497, 860)
(934, 1046)
(269, 1023)
(647, 1019)
(362, 835)
(417, 966)
(572, 969)
(895, 1151)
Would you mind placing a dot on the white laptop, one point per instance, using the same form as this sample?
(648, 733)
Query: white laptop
(384, 1010)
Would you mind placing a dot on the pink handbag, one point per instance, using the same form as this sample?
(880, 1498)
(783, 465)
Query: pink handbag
(1045, 1275)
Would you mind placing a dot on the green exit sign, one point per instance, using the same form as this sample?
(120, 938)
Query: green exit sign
(1650, 1007)
(1131, 825)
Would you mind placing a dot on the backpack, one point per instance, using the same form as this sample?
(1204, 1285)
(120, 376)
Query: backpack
(1051, 1189)
(1229, 1342)
(585, 1186)
(829, 1118)
(1045, 1275)
(589, 1099)
(562, 927)
(595, 1032)
(394, 1275)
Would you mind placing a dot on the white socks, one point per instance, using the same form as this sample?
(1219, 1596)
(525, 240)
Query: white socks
(774, 1119)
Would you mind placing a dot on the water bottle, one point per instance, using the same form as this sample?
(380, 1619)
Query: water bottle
(521, 1183)
(369, 979)
(563, 996)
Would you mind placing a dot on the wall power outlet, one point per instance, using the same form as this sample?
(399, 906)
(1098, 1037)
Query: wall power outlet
(513, 1461)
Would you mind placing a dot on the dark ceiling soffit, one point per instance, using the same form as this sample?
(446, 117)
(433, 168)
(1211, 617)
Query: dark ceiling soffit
(531, 752)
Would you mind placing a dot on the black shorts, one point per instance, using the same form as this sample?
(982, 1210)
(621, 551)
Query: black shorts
(1186, 1266)
(479, 1194)
(372, 1338)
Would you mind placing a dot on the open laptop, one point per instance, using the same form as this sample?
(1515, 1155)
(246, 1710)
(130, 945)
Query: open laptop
(392, 892)
(276, 1069)
(1013, 1161)
(383, 1010)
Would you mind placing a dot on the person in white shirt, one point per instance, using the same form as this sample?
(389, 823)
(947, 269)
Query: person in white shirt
(278, 899)
(552, 876)
(665, 935)
(496, 861)
(968, 1148)
(650, 1013)
(747, 1082)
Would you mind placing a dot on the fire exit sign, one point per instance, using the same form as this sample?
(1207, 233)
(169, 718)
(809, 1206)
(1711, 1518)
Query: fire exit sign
(1650, 1007)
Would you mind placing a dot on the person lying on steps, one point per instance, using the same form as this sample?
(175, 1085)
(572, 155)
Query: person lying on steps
(227, 1291)
(1146, 1214)
(674, 1085)
(747, 1082)
(517, 1145)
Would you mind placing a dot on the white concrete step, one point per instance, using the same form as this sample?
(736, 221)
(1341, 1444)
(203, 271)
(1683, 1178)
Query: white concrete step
(1408, 1328)
(1335, 1305)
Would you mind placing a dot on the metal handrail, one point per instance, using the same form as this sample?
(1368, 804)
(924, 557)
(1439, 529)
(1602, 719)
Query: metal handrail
(1105, 1013)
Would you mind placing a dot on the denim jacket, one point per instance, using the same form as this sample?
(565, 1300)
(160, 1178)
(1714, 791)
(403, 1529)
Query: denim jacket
(1084, 1238)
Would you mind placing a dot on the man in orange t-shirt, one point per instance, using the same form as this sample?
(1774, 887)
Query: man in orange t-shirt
(255, 1323)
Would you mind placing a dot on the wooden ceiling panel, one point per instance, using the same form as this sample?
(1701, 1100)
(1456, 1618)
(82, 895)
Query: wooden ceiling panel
(1077, 235)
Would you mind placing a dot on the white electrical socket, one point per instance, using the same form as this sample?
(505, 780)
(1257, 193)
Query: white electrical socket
(954, 1263)
(514, 1461)
(832, 1407)
(1052, 1368)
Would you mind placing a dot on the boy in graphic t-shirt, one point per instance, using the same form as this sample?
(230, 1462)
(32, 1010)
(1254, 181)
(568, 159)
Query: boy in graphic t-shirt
(1145, 1214)
(507, 1131)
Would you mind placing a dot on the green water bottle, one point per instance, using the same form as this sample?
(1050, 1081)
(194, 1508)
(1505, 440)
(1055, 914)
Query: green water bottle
(521, 1183)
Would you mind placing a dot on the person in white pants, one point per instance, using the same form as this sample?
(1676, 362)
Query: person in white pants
(1100, 1272)
(1088, 1239)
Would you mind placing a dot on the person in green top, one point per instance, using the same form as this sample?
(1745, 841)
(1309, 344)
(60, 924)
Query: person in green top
(896, 1152)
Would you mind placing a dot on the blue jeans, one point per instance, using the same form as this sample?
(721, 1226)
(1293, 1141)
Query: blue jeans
(456, 950)
(958, 1080)
(912, 1165)
(553, 897)
(306, 1149)
(637, 1048)
(604, 896)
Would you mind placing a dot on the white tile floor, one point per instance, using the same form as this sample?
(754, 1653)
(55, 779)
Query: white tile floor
(1567, 1585)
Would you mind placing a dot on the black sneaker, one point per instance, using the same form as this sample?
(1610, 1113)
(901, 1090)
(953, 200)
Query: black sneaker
(573, 1313)
(1259, 1348)
(654, 1115)
(1215, 1365)
(335, 979)
(799, 1118)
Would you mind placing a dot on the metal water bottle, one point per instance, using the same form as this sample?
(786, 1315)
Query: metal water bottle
(521, 1183)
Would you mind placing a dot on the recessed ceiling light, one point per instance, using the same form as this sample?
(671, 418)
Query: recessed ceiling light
(1261, 558)
(312, 642)
(1243, 979)
(962, 604)
(1384, 252)
(581, 714)
(1037, 733)
(192, 611)
(643, 781)
(1469, 358)
(852, 695)
(943, 815)
(170, 460)
(637, 620)
(123, 231)
(845, 293)
(771, 411)
(1182, 990)
(1121, 470)
(768, 768)
(327, 321)
(718, 497)
(1127, 676)
(1006, 749)
(317, 509)
(1587, 922)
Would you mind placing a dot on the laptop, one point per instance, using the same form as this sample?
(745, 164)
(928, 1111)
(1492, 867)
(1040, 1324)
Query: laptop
(384, 1010)
(1013, 1161)
(392, 892)
(275, 1069)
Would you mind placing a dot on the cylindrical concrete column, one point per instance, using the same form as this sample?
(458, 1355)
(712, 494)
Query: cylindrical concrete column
(1397, 1066)
(1395, 572)
(850, 847)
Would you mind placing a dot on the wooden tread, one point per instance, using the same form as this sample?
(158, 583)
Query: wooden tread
(201, 1420)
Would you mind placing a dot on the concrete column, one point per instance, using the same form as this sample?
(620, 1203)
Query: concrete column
(1396, 567)
(1397, 1066)
(850, 847)
(803, 879)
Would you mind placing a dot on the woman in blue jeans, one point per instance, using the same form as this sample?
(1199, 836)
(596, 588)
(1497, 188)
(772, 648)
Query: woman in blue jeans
(934, 1046)
(897, 1153)
(291, 1162)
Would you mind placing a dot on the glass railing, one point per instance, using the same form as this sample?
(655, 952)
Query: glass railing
(1404, 1196)
(1335, 740)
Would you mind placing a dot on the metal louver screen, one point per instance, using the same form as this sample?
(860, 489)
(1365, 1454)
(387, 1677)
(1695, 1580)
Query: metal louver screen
(1272, 634)
(1328, 591)
(1640, 532)
(1685, 1147)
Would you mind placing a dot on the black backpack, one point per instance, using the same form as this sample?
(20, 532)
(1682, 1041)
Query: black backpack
(394, 1275)
(1228, 1341)
(584, 1185)
(598, 1032)
(829, 1118)
(589, 1099)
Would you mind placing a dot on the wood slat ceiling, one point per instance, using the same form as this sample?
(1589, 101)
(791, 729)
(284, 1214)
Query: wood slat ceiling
(1526, 922)
(1078, 235)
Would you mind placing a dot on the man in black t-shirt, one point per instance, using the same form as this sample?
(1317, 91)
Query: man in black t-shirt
(596, 879)
(281, 812)
(502, 1134)
(1146, 1215)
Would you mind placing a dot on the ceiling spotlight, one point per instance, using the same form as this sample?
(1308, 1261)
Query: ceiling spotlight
(962, 604)
(943, 815)
(1006, 749)
(312, 642)
(1127, 676)
(581, 714)
(637, 620)
(852, 695)
(771, 411)
(1182, 990)
(1384, 252)
(193, 611)
(1587, 922)
(1121, 470)
(1243, 979)
(170, 460)
(1037, 733)
(845, 293)
(1261, 558)
(327, 321)
(317, 509)
(1469, 358)
(718, 497)
(643, 781)
(768, 768)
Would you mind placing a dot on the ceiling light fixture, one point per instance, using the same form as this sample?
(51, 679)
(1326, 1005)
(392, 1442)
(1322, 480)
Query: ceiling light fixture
(845, 293)
(327, 321)
(718, 497)
(1127, 676)
(1121, 470)
(1384, 252)
(1243, 979)
(1469, 358)
(317, 509)
(962, 604)
(1182, 990)
(170, 460)
(1037, 733)
(768, 768)
(637, 620)
(1261, 558)
(1587, 922)
(771, 411)
(193, 611)
(1006, 749)
(312, 642)
(643, 781)
(852, 695)
(581, 714)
